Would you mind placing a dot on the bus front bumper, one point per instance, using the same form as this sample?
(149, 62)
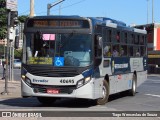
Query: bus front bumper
(86, 91)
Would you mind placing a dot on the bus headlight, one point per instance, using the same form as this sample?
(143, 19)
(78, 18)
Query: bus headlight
(87, 79)
(83, 81)
(80, 83)
(27, 81)
(23, 73)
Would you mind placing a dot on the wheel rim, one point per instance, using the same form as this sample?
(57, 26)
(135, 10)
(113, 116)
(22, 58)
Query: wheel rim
(104, 91)
(134, 84)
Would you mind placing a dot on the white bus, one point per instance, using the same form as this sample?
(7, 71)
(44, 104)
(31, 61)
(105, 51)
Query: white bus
(77, 57)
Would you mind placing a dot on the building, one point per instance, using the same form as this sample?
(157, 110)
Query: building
(153, 35)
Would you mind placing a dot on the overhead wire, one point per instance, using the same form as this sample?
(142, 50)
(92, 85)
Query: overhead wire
(65, 6)
(27, 11)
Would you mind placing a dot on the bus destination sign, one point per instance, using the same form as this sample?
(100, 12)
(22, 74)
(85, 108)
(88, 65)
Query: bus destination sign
(58, 23)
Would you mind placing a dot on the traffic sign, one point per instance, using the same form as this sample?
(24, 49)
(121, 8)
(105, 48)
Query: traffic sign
(12, 5)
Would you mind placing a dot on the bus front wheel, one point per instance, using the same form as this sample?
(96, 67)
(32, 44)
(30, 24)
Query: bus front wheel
(46, 100)
(105, 90)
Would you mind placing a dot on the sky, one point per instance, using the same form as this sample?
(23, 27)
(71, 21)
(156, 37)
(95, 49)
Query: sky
(128, 11)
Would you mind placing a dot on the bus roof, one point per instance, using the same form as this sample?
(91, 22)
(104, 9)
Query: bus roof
(95, 21)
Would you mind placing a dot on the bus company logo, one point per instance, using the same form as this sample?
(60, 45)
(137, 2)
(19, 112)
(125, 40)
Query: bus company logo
(118, 66)
(40, 81)
(6, 114)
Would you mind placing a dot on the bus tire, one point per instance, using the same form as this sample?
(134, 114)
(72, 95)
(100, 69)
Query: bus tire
(46, 100)
(104, 99)
(132, 91)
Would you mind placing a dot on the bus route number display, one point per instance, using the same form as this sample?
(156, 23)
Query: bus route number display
(41, 23)
(58, 23)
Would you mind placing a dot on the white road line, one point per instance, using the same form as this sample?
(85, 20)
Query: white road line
(153, 95)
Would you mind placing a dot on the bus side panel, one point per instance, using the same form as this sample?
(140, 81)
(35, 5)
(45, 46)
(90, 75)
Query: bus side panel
(136, 64)
(124, 82)
(141, 77)
(98, 84)
(112, 84)
(139, 66)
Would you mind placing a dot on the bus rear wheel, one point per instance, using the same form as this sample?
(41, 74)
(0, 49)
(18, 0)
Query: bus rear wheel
(132, 91)
(105, 90)
(46, 100)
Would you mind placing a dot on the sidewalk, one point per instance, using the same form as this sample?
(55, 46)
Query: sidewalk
(14, 89)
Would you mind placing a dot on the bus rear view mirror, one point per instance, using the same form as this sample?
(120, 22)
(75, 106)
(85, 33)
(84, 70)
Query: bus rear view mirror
(99, 41)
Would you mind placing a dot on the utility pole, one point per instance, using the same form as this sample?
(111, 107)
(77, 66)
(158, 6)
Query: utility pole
(152, 11)
(6, 92)
(31, 8)
(49, 6)
(147, 11)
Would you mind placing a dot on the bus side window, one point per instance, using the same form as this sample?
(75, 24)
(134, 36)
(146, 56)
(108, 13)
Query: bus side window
(142, 50)
(98, 49)
(123, 50)
(130, 49)
(125, 37)
(132, 39)
(115, 51)
(142, 40)
(136, 51)
(136, 40)
(118, 36)
(109, 35)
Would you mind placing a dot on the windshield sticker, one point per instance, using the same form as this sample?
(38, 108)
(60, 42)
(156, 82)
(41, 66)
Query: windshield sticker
(39, 60)
(59, 61)
(48, 36)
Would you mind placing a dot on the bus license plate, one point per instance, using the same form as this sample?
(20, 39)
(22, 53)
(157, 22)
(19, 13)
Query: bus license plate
(52, 91)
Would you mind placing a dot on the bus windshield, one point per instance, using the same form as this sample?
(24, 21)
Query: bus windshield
(58, 49)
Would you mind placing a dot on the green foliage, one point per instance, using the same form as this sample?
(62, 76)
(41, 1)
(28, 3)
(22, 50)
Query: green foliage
(2, 49)
(3, 21)
(22, 18)
(18, 53)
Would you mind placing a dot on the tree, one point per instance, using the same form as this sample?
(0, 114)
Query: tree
(2, 50)
(3, 19)
(22, 18)
(18, 53)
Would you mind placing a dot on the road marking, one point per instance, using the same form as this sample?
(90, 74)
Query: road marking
(153, 95)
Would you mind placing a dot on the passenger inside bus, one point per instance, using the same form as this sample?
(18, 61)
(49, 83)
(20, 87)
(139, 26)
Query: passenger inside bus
(115, 51)
(107, 51)
(137, 53)
(122, 52)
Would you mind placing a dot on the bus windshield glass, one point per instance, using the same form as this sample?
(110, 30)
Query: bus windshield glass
(58, 50)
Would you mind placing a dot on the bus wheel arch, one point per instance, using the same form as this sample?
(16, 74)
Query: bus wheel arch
(105, 90)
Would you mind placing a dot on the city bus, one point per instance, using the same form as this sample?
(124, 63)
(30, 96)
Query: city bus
(81, 57)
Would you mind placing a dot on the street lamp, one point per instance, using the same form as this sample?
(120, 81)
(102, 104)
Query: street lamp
(49, 6)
